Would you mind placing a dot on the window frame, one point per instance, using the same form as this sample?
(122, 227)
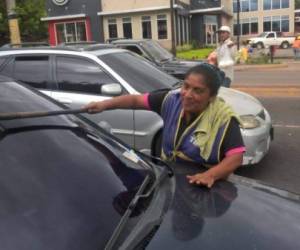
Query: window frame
(114, 80)
(148, 22)
(125, 22)
(48, 80)
(65, 30)
(112, 22)
(162, 18)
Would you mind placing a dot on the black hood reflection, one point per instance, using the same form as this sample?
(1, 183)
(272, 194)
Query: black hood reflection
(131, 179)
(193, 204)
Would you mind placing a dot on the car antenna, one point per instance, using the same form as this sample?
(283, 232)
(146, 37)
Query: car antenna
(23, 115)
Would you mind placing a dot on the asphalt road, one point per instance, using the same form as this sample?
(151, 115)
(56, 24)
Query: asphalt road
(281, 166)
(278, 88)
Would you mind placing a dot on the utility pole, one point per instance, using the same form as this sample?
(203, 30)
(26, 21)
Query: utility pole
(172, 28)
(238, 24)
(13, 22)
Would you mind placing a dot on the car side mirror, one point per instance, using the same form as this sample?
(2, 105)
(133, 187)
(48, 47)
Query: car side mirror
(106, 126)
(111, 89)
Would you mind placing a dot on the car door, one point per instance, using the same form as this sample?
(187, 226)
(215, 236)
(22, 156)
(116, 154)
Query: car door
(79, 81)
(33, 70)
(270, 39)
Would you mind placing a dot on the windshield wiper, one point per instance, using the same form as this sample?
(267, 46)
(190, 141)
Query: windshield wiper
(139, 195)
(23, 115)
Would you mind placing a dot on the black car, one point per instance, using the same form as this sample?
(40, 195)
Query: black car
(158, 55)
(68, 184)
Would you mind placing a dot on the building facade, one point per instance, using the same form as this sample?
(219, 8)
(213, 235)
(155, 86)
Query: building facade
(194, 20)
(257, 16)
(73, 21)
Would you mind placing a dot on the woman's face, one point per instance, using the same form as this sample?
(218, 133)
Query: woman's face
(195, 94)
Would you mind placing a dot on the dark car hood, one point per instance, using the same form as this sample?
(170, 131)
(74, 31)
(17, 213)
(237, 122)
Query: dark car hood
(177, 65)
(231, 215)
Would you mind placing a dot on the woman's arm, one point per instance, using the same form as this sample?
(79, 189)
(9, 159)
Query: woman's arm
(219, 171)
(120, 102)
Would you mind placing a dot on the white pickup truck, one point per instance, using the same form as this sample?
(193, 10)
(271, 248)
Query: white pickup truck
(266, 39)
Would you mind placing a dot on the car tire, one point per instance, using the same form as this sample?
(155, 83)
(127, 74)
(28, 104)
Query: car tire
(259, 45)
(285, 45)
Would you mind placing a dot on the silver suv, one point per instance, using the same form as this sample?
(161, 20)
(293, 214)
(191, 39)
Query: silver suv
(76, 78)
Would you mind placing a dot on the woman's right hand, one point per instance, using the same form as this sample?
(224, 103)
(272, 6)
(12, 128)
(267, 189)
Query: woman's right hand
(95, 107)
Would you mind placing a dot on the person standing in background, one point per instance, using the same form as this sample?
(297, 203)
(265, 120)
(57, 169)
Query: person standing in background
(296, 47)
(225, 54)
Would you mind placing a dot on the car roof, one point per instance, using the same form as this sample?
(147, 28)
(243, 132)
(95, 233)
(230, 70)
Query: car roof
(60, 50)
(122, 41)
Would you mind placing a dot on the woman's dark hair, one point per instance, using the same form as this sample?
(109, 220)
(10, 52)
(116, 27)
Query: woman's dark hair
(212, 76)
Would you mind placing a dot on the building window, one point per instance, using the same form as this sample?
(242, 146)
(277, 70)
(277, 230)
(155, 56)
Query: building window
(285, 4)
(70, 32)
(112, 28)
(162, 27)
(146, 27)
(267, 24)
(276, 4)
(285, 24)
(253, 25)
(276, 23)
(127, 29)
(248, 26)
(245, 5)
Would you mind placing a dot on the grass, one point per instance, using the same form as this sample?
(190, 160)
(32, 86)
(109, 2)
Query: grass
(195, 54)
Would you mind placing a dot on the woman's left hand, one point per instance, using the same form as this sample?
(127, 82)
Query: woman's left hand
(205, 179)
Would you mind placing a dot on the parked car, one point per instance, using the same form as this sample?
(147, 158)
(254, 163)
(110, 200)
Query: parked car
(67, 184)
(267, 39)
(76, 78)
(155, 53)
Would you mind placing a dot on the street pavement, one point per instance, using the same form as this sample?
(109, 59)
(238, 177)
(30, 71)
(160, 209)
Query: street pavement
(278, 88)
(270, 80)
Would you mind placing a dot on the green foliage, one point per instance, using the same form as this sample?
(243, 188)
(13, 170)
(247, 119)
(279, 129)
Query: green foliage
(29, 13)
(184, 47)
(4, 35)
(197, 54)
(297, 4)
(195, 44)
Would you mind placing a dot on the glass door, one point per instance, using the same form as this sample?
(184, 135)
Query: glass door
(211, 34)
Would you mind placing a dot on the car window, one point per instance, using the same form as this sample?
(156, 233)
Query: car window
(32, 70)
(138, 72)
(6, 69)
(134, 49)
(2, 60)
(80, 75)
(271, 35)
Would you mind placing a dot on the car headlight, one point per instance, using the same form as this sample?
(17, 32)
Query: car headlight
(249, 121)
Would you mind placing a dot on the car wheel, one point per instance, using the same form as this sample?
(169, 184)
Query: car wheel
(285, 45)
(259, 46)
(157, 145)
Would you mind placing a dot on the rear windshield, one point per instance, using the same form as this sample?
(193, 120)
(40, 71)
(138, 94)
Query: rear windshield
(141, 75)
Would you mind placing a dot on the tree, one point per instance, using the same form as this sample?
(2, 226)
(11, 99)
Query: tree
(297, 4)
(29, 14)
(4, 33)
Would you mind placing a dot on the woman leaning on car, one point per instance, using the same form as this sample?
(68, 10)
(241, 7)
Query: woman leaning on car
(199, 127)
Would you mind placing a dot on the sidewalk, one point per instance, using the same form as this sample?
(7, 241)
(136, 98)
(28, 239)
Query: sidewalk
(279, 63)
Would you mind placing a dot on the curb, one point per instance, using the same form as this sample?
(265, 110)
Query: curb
(260, 66)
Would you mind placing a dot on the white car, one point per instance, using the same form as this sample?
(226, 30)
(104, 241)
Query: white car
(76, 78)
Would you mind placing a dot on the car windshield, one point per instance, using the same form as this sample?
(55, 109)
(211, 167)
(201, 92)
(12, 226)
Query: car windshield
(159, 53)
(263, 34)
(141, 75)
(72, 184)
